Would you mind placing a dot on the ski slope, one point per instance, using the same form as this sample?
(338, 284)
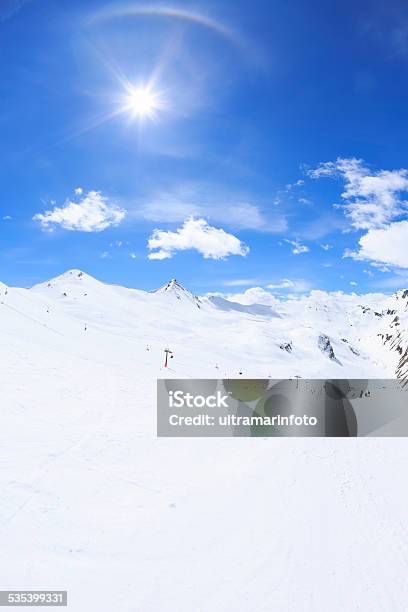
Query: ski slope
(92, 502)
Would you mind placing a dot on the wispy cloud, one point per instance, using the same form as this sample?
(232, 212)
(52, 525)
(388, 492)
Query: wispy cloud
(295, 286)
(298, 183)
(9, 8)
(372, 198)
(91, 213)
(239, 282)
(374, 203)
(399, 280)
(325, 223)
(298, 247)
(210, 202)
(197, 234)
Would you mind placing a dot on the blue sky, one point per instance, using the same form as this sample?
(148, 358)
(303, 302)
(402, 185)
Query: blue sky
(228, 144)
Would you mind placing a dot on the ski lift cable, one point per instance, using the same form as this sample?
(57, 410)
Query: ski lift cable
(55, 331)
(23, 314)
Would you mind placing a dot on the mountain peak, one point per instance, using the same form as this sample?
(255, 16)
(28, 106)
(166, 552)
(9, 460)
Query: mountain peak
(74, 278)
(402, 294)
(398, 301)
(173, 287)
(173, 283)
(72, 274)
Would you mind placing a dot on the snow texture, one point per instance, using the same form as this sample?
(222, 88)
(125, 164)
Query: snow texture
(93, 502)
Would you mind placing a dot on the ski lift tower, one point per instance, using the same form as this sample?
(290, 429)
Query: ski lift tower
(168, 352)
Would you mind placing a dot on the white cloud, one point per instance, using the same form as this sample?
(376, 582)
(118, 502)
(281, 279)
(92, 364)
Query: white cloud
(254, 295)
(259, 295)
(284, 284)
(353, 283)
(298, 248)
(380, 266)
(372, 198)
(7, 218)
(326, 247)
(91, 213)
(384, 246)
(304, 201)
(239, 282)
(79, 191)
(298, 183)
(211, 242)
(297, 285)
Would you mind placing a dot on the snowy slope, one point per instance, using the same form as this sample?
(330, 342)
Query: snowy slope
(394, 334)
(211, 335)
(94, 503)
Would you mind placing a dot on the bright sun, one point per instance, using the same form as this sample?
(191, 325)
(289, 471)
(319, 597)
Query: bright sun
(142, 102)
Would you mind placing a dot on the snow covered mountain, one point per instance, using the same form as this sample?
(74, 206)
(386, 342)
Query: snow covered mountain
(320, 335)
(177, 291)
(394, 334)
(90, 496)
